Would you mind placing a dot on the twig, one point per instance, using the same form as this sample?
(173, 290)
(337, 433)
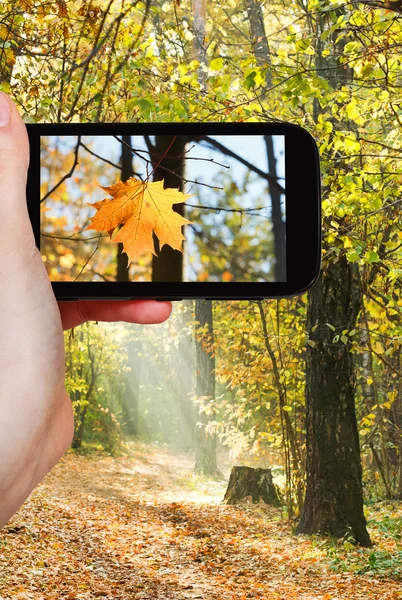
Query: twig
(67, 175)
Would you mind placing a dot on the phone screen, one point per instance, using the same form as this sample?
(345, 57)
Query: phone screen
(128, 208)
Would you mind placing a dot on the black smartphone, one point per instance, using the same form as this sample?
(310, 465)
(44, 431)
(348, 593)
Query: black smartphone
(175, 210)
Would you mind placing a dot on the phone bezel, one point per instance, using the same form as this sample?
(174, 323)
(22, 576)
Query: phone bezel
(303, 218)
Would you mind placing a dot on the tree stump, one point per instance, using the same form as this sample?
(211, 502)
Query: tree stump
(257, 483)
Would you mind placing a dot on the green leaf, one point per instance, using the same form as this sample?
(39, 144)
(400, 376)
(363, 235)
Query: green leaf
(145, 105)
(249, 81)
(371, 257)
(216, 64)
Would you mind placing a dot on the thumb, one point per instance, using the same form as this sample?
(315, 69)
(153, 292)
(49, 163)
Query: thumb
(15, 227)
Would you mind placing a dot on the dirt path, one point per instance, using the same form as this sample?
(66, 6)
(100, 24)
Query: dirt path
(144, 527)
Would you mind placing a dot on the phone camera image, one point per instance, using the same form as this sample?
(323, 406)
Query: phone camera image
(134, 208)
(175, 210)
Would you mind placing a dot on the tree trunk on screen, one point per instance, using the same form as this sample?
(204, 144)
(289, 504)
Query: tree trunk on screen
(261, 52)
(126, 162)
(205, 454)
(168, 264)
(278, 223)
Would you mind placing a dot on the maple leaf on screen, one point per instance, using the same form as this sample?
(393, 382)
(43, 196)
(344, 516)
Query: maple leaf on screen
(141, 209)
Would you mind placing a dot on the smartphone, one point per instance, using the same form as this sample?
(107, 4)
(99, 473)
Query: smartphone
(175, 210)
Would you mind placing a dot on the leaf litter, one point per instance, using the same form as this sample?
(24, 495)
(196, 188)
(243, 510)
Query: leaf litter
(143, 526)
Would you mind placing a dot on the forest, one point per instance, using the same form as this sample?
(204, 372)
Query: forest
(248, 449)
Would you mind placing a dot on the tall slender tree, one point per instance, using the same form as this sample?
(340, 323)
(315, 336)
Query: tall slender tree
(261, 51)
(205, 453)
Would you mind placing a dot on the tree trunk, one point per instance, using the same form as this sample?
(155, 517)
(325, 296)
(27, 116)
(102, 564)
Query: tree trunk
(168, 264)
(8, 38)
(257, 483)
(334, 494)
(261, 51)
(132, 390)
(126, 172)
(394, 445)
(278, 223)
(199, 10)
(185, 383)
(259, 40)
(205, 454)
(79, 434)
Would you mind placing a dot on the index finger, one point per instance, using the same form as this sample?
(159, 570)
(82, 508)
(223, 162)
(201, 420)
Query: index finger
(130, 311)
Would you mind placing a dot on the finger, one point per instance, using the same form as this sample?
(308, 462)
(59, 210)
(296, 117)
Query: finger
(130, 311)
(15, 227)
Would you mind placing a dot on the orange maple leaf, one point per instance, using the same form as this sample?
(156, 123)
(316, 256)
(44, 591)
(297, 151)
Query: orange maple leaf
(141, 209)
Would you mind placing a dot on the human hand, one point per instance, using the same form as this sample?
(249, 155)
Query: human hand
(36, 417)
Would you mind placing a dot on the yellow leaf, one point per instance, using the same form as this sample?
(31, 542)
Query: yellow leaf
(141, 208)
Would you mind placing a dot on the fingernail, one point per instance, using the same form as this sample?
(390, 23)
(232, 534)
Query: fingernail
(5, 112)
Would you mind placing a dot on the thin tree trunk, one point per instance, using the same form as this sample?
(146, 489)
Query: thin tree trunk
(278, 223)
(199, 10)
(79, 434)
(126, 160)
(185, 385)
(205, 454)
(132, 389)
(259, 40)
(261, 51)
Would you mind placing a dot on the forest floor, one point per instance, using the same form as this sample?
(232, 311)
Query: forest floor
(143, 526)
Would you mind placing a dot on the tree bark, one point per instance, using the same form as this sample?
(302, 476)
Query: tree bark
(205, 454)
(126, 160)
(187, 414)
(261, 51)
(168, 264)
(334, 494)
(8, 54)
(199, 10)
(257, 483)
(259, 40)
(79, 434)
(278, 223)
(132, 389)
